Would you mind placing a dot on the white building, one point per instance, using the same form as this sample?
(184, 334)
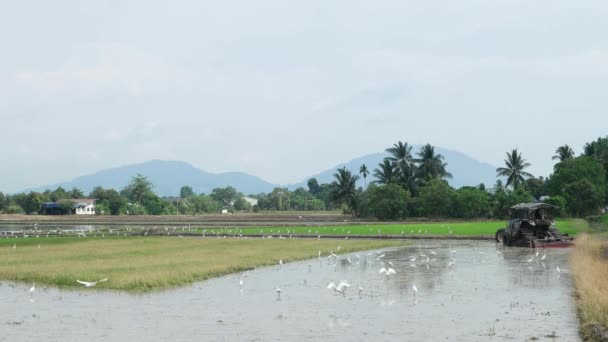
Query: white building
(84, 206)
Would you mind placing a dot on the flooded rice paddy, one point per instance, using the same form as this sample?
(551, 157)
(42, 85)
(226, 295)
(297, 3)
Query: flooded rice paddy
(466, 291)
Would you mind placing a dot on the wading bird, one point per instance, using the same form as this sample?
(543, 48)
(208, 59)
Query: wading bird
(388, 271)
(415, 289)
(33, 288)
(93, 283)
(340, 288)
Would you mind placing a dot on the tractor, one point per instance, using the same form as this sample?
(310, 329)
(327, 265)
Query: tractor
(531, 225)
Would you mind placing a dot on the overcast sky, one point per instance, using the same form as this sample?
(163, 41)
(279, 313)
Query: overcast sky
(284, 89)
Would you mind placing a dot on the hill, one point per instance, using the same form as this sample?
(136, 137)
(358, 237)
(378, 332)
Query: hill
(167, 177)
(466, 170)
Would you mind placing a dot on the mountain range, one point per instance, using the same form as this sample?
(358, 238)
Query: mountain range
(169, 176)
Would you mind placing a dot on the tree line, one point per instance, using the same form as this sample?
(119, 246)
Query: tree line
(403, 185)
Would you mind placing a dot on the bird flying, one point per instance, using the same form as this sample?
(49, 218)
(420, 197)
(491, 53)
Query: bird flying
(388, 271)
(93, 283)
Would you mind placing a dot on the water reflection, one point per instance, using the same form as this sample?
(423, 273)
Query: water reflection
(483, 296)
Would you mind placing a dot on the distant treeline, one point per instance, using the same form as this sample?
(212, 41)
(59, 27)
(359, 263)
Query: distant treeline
(403, 185)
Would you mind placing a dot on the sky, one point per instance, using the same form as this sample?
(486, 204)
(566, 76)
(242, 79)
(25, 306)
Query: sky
(285, 89)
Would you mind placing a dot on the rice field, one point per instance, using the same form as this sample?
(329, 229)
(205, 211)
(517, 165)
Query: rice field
(148, 263)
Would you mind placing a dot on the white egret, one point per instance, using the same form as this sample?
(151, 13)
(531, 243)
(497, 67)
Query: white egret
(340, 288)
(530, 260)
(544, 256)
(498, 252)
(319, 254)
(91, 283)
(33, 288)
(558, 270)
(391, 263)
(278, 291)
(415, 289)
(388, 271)
(280, 261)
(241, 283)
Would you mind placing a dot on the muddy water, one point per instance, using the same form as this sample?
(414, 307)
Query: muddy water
(484, 296)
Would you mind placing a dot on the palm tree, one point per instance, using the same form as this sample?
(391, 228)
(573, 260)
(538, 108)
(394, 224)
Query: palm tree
(514, 170)
(563, 153)
(343, 189)
(406, 177)
(364, 171)
(386, 172)
(401, 152)
(430, 164)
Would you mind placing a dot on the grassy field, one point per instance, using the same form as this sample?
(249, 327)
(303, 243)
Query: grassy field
(148, 263)
(480, 228)
(590, 273)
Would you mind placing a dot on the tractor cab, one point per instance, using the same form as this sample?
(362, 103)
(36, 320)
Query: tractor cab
(531, 225)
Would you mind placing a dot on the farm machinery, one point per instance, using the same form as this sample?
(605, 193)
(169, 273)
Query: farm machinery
(531, 225)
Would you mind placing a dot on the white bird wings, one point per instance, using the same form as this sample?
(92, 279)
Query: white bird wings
(342, 285)
(383, 270)
(91, 283)
(331, 285)
(390, 271)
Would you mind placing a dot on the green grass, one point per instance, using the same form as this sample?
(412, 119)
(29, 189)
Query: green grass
(149, 263)
(480, 228)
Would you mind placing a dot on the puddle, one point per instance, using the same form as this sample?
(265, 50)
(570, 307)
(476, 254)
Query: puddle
(483, 296)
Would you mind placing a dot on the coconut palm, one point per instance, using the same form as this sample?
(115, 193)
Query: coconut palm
(400, 152)
(343, 189)
(386, 173)
(514, 170)
(563, 153)
(430, 164)
(406, 177)
(364, 172)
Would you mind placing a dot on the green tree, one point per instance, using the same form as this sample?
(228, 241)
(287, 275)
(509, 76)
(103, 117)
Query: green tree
(470, 202)
(563, 153)
(583, 198)
(76, 193)
(32, 203)
(385, 173)
(434, 199)
(430, 164)
(559, 202)
(3, 202)
(536, 186)
(186, 191)
(67, 206)
(58, 194)
(514, 170)
(139, 189)
(226, 196)
(363, 171)
(400, 153)
(242, 204)
(108, 201)
(343, 190)
(389, 202)
(574, 170)
(313, 187)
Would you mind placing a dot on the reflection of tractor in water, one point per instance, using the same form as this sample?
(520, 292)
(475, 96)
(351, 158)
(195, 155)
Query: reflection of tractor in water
(531, 225)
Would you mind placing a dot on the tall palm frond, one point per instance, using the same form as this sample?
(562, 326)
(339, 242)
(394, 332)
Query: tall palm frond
(514, 170)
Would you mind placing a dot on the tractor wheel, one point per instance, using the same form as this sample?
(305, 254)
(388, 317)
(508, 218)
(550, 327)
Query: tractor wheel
(500, 235)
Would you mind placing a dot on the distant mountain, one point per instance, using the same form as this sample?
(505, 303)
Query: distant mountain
(167, 178)
(466, 170)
